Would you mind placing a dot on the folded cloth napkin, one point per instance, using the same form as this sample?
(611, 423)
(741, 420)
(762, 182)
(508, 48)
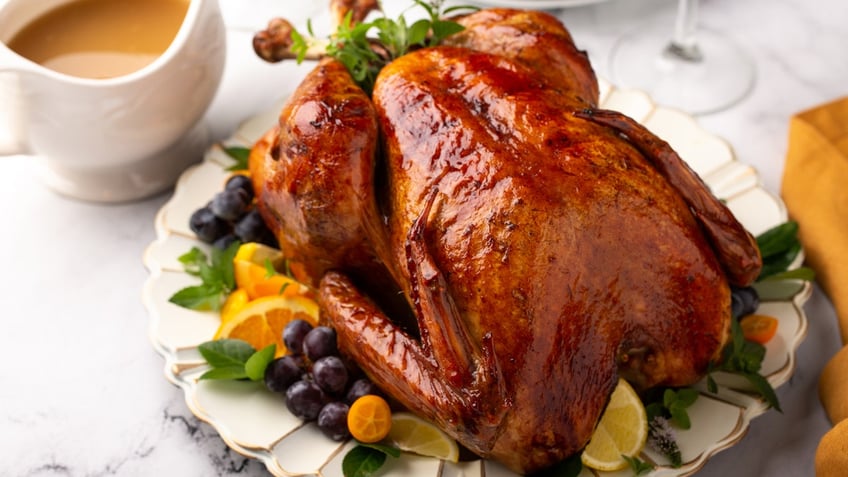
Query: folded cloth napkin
(815, 189)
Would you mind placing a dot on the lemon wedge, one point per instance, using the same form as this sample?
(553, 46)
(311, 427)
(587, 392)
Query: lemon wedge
(410, 433)
(622, 431)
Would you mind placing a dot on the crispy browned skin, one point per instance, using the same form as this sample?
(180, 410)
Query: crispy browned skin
(543, 255)
(534, 39)
(316, 183)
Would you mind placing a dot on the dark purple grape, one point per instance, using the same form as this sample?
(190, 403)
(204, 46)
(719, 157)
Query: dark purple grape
(360, 388)
(207, 226)
(241, 182)
(251, 228)
(332, 420)
(320, 342)
(223, 242)
(744, 301)
(281, 373)
(305, 399)
(330, 373)
(230, 204)
(293, 335)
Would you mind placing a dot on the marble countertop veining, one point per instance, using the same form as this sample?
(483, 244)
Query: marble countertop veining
(81, 389)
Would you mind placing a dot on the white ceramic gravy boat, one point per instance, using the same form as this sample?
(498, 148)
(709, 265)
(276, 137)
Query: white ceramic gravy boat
(114, 139)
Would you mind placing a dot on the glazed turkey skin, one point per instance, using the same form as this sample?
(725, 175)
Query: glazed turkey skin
(543, 247)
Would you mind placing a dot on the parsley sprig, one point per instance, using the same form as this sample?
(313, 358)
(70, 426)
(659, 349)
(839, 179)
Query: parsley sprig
(364, 48)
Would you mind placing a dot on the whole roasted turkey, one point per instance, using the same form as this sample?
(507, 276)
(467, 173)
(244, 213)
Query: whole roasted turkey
(492, 250)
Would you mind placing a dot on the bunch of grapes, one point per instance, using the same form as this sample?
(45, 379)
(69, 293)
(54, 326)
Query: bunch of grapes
(231, 215)
(318, 384)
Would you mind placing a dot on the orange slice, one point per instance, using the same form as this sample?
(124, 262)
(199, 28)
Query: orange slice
(252, 274)
(261, 322)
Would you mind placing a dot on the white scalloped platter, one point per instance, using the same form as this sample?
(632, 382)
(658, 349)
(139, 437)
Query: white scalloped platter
(256, 423)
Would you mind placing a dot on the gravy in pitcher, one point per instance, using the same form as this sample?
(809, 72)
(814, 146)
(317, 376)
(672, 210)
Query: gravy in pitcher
(101, 38)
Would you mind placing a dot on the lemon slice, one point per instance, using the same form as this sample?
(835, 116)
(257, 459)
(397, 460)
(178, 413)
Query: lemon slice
(260, 322)
(257, 253)
(622, 430)
(410, 433)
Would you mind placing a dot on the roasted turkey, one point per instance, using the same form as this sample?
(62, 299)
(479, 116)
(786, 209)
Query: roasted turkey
(493, 250)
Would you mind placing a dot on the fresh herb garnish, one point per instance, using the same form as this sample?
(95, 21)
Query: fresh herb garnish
(662, 438)
(673, 406)
(365, 460)
(638, 466)
(745, 359)
(779, 247)
(235, 359)
(240, 155)
(669, 406)
(216, 275)
(364, 55)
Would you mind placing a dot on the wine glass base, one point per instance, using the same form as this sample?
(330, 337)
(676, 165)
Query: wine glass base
(721, 77)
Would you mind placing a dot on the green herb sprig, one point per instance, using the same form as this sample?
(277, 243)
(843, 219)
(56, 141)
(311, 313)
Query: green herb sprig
(240, 155)
(744, 358)
(779, 247)
(216, 274)
(233, 359)
(673, 405)
(364, 54)
(638, 466)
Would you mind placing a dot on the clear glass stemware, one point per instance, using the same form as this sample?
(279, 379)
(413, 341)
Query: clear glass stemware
(694, 69)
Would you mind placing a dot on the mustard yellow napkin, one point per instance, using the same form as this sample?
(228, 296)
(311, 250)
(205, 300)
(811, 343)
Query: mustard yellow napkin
(815, 189)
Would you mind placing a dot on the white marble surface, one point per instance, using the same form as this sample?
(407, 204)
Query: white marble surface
(81, 389)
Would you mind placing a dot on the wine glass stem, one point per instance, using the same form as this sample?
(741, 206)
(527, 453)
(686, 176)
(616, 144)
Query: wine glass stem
(684, 45)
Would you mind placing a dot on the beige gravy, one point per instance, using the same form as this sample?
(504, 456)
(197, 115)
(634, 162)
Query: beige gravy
(101, 38)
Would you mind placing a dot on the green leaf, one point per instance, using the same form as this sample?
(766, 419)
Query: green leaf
(270, 271)
(388, 450)
(779, 263)
(258, 361)
(362, 461)
(418, 32)
(679, 415)
(745, 358)
(669, 396)
(712, 386)
(192, 260)
(778, 239)
(240, 155)
(638, 466)
(802, 273)
(764, 388)
(225, 373)
(222, 260)
(199, 297)
(443, 29)
(217, 277)
(687, 396)
(226, 353)
(654, 409)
